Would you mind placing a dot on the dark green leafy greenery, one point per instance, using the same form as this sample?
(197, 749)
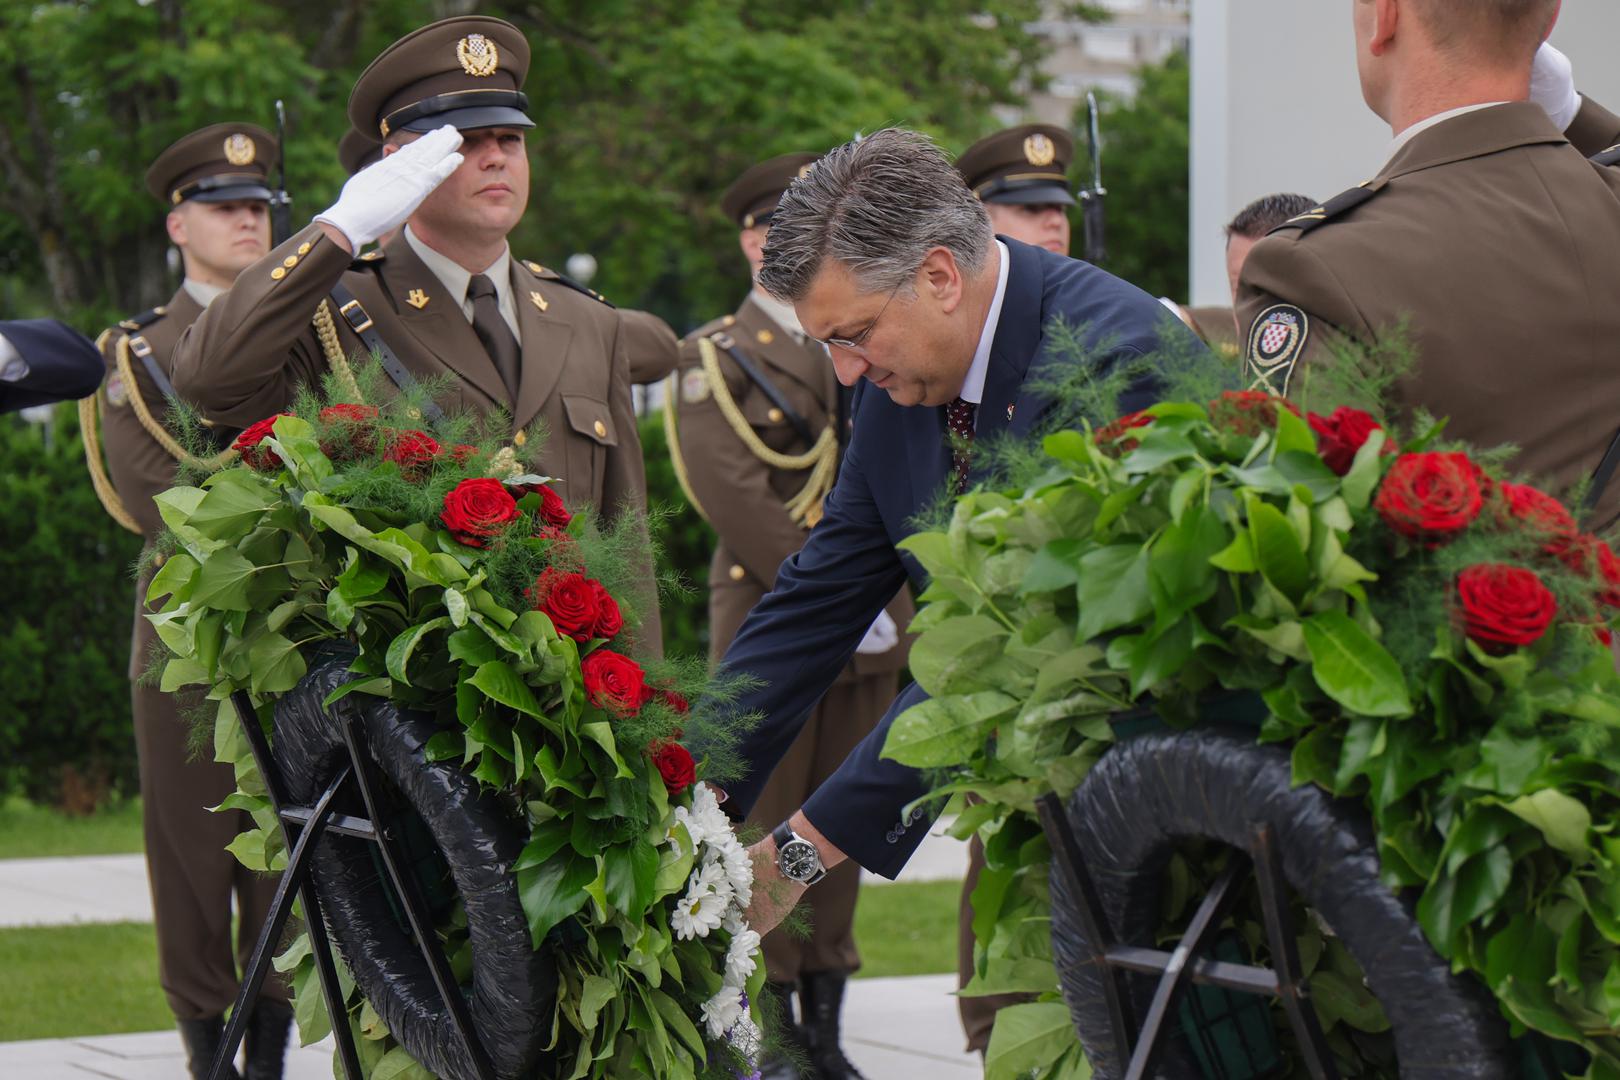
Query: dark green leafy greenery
(330, 540)
(1211, 549)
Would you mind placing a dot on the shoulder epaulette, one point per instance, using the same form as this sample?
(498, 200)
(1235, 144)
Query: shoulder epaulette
(1611, 156)
(144, 319)
(712, 327)
(563, 279)
(1339, 204)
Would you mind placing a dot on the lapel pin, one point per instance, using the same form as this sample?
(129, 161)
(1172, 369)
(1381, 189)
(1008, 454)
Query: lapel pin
(417, 299)
(1010, 409)
(539, 301)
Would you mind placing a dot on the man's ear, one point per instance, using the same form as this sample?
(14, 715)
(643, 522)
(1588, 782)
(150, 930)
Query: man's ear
(175, 224)
(752, 242)
(1558, 9)
(942, 278)
(1386, 14)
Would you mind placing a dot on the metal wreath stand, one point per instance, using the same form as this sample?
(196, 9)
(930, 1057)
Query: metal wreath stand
(303, 827)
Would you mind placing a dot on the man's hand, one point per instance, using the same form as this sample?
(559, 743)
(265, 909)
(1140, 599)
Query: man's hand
(1552, 86)
(381, 197)
(774, 895)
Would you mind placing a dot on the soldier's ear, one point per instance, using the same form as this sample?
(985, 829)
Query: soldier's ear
(175, 224)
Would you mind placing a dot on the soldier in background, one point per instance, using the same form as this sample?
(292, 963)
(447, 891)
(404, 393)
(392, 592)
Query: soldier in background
(1021, 176)
(214, 181)
(756, 420)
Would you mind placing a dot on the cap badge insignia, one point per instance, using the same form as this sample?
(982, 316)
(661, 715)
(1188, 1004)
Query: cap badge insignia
(239, 149)
(1039, 150)
(539, 301)
(417, 299)
(478, 55)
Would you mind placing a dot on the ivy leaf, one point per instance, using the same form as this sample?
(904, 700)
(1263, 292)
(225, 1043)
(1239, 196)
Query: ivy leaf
(1457, 899)
(1026, 1038)
(1362, 479)
(398, 658)
(1113, 590)
(1278, 552)
(945, 731)
(235, 502)
(173, 578)
(503, 686)
(1564, 821)
(553, 891)
(630, 871)
(1352, 668)
(596, 993)
(223, 581)
(954, 656)
(1055, 566)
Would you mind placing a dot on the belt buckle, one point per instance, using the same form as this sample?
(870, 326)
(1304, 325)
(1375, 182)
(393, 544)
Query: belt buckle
(359, 327)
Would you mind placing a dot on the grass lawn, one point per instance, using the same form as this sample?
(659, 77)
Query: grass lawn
(28, 831)
(101, 979)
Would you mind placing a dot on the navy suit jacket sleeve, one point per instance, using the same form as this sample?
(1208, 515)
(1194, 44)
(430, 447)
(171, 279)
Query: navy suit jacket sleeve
(801, 634)
(61, 365)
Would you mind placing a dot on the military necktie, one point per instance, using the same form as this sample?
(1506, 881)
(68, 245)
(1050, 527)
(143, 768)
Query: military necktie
(959, 422)
(492, 330)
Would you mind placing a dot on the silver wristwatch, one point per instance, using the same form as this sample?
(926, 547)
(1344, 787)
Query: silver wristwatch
(797, 857)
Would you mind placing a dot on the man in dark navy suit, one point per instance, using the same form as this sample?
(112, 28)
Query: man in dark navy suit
(42, 361)
(889, 260)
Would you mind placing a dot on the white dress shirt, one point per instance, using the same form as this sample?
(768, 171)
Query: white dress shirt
(973, 386)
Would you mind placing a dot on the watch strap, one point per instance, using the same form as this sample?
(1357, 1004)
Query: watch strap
(783, 835)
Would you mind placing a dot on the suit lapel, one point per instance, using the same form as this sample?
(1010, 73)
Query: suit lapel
(1018, 337)
(439, 326)
(544, 340)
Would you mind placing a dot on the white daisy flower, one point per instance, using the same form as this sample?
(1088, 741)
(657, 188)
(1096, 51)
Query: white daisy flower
(740, 962)
(722, 1011)
(734, 922)
(697, 913)
(739, 869)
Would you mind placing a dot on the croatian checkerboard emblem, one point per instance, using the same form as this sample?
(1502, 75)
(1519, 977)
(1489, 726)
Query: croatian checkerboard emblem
(478, 55)
(1275, 342)
(239, 149)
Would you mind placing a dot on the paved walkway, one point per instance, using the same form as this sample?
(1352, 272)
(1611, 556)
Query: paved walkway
(895, 1029)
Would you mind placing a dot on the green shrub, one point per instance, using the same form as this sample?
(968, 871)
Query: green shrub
(685, 543)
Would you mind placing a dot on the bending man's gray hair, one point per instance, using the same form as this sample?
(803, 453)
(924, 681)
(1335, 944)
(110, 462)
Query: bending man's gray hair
(879, 206)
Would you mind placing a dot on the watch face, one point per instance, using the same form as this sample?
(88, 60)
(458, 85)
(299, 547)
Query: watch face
(798, 861)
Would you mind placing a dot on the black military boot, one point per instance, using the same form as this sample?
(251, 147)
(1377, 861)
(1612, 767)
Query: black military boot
(821, 1000)
(202, 1039)
(782, 1062)
(267, 1040)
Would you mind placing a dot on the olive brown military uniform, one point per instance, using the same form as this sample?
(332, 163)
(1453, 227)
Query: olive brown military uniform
(1499, 241)
(192, 876)
(280, 327)
(753, 414)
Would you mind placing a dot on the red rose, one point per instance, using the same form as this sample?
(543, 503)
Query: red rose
(356, 426)
(412, 451)
(675, 701)
(475, 510)
(1592, 558)
(256, 457)
(569, 601)
(552, 510)
(1540, 514)
(1430, 497)
(609, 619)
(1339, 436)
(675, 765)
(1504, 606)
(461, 453)
(1247, 412)
(614, 682)
(1109, 434)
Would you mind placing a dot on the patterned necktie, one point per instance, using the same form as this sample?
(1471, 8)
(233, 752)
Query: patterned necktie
(959, 422)
(492, 330)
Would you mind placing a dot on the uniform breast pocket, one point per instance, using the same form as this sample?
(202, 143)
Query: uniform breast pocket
(589, 436)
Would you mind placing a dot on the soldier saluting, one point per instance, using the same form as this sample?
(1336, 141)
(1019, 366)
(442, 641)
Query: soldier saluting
(214, 182)
(444, 296)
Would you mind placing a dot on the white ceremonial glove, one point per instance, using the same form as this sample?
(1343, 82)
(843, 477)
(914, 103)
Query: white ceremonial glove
(382, 196)
(1552, 86)
(880, 637)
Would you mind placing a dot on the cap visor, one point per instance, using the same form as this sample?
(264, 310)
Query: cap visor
(1039, 194)
(233, 193)
(486, 116)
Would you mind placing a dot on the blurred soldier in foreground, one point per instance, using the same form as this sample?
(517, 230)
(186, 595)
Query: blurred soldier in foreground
(42, 361)
(756, 423)
(445, 296)
(214, 181)
(1495, 236)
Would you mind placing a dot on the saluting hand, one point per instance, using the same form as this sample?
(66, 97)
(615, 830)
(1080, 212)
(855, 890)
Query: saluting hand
(380, 198)
(1552, 86)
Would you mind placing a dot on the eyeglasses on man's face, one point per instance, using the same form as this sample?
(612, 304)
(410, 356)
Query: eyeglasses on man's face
(857, 344)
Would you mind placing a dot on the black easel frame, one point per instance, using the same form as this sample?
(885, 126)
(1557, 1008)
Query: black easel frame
(303, 827)
(1184, 965)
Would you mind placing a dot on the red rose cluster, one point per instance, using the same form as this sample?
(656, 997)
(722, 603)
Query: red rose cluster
(254, 456)
(1431, 498)
(1247, 412)
(1340, 436)
(616, 683)
(579, 607)
(1112, 435)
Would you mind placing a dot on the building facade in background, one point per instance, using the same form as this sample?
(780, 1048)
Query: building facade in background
(1102, 56)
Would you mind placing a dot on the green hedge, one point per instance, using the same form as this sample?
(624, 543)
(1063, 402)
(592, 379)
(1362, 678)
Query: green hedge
(65, 732)
(65, 735)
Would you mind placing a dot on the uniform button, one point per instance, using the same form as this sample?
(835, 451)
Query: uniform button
(520, 438)
(303, 249)
(290, 261)
(737, 572)
(159, 560)
(600, 429)
(765, 337)
(729, 319)
(277, 274)
(775, 416)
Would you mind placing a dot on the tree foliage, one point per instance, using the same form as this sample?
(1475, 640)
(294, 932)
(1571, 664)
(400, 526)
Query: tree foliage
(645, 112)
(1145, 168)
